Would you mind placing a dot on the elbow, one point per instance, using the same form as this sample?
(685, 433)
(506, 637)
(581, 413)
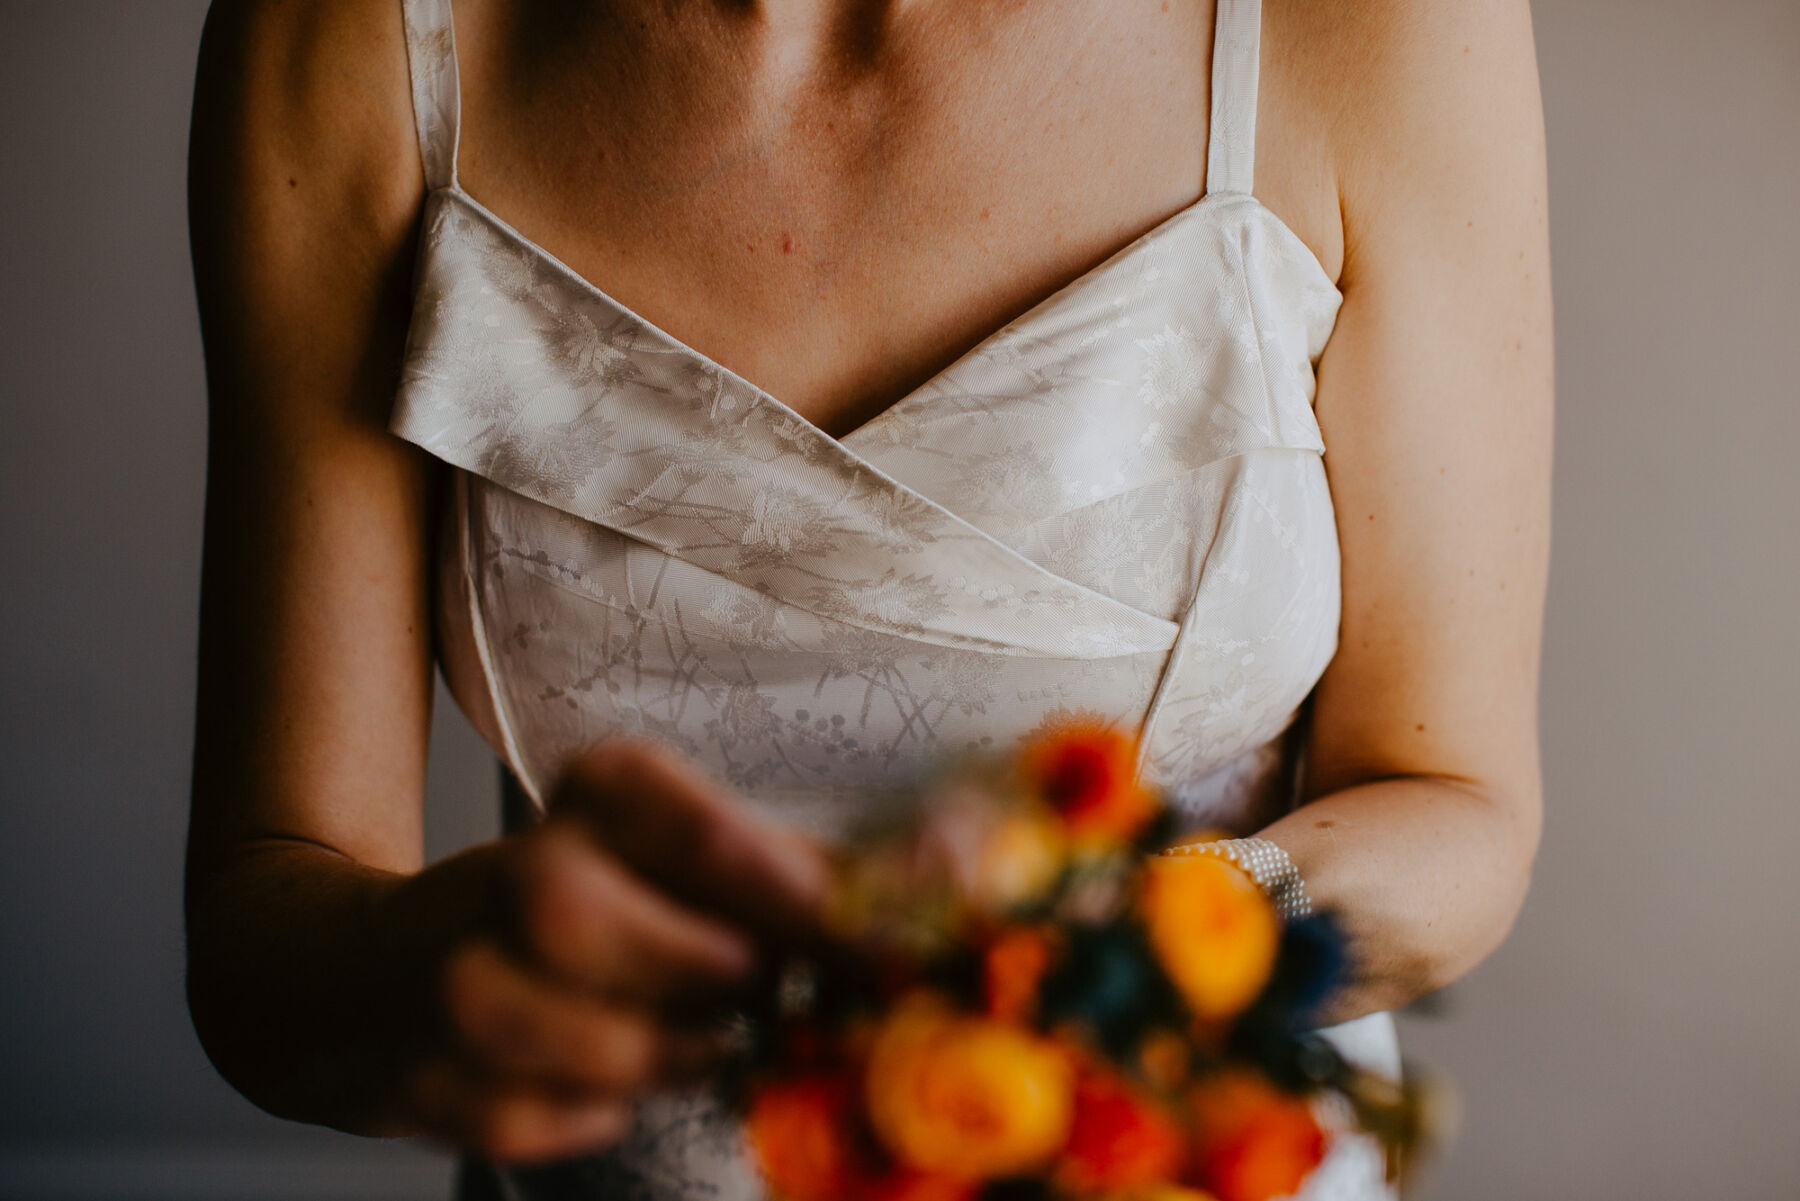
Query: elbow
(1461, 909)
(217, 1014)
(1482, 903)
(273, 1058)
(289, 1001)
(225, 1019)
(256, 1041)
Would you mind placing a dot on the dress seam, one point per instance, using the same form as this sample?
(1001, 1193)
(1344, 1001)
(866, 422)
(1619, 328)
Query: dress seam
(484, 652)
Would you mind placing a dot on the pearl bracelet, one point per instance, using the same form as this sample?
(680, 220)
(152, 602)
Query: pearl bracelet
(1265, 863)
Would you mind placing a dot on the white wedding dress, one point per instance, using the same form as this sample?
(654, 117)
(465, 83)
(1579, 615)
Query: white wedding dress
(1115, 504)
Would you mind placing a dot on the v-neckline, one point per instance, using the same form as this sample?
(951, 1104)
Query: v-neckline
(865, 430)
(626, 452)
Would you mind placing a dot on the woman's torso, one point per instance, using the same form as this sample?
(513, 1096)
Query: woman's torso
(1111, 500)
(840, 231)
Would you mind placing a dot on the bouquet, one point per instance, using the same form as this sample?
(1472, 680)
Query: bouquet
(1037, 1005)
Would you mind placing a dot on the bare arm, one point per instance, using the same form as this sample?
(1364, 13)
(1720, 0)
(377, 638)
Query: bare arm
(1435, 398)
(515, 997)
(314, 687)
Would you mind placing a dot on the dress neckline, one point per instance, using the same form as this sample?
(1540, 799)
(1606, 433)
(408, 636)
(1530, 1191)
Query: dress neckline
(1208, 203)
(1229, 184)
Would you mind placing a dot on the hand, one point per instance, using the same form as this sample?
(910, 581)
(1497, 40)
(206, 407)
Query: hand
(613, 929)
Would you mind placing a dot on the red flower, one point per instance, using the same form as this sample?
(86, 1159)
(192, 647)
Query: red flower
(1120, 1139)
(1254, 1142)
(1087, 771)
(799, 1131)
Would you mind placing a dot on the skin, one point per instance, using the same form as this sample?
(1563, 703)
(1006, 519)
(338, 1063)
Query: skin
(834, 198)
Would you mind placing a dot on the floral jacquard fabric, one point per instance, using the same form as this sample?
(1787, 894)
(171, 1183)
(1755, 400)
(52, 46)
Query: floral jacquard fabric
(1116, 504)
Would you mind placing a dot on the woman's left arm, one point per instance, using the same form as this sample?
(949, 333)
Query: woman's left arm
(1435, 394)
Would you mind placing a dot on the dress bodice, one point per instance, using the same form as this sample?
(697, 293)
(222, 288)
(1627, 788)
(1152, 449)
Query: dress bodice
(1114, 505)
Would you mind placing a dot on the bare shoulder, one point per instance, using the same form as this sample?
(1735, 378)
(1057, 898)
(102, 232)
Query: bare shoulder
(1361, 99)
(1384, 56)
(1429, 99)
(327, 82)
(301, 140)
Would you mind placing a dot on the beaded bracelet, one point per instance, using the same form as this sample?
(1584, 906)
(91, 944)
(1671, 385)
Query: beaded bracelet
(1265, 863)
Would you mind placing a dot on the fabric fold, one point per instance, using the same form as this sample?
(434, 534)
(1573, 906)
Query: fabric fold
(585, 407)
(1124, 380)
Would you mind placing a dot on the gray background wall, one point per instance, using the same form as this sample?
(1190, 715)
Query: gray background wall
(1635, 1038)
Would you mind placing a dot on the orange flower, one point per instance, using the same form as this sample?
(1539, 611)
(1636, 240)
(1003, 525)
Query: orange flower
(1087, 771)
(1120, 1138)
(1012, 968)
(1253, 1142)
(1212, 929)
(797, 1128)
(967, 1097)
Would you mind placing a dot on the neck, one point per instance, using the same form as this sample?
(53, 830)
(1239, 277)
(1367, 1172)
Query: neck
(802, 34)
(815, 14)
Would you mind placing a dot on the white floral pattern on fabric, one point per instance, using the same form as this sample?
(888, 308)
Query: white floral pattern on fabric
(1185, 552)
(1116, 504)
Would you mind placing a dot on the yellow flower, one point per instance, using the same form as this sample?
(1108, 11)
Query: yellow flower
(1020, 859)
(1212, 929)
(966, 1096)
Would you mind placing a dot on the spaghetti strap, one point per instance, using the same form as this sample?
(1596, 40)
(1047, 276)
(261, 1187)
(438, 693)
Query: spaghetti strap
(436, 87)
(1231, 140)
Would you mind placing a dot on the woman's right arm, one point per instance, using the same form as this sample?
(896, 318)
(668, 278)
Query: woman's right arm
(507, 999)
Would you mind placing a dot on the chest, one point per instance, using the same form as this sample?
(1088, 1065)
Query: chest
(1114, 503)
(836, 219)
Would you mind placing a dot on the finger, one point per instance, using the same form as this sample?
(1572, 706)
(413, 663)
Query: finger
(517, 1025)
(587, 921)
(683, 832)
(512, 1123)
